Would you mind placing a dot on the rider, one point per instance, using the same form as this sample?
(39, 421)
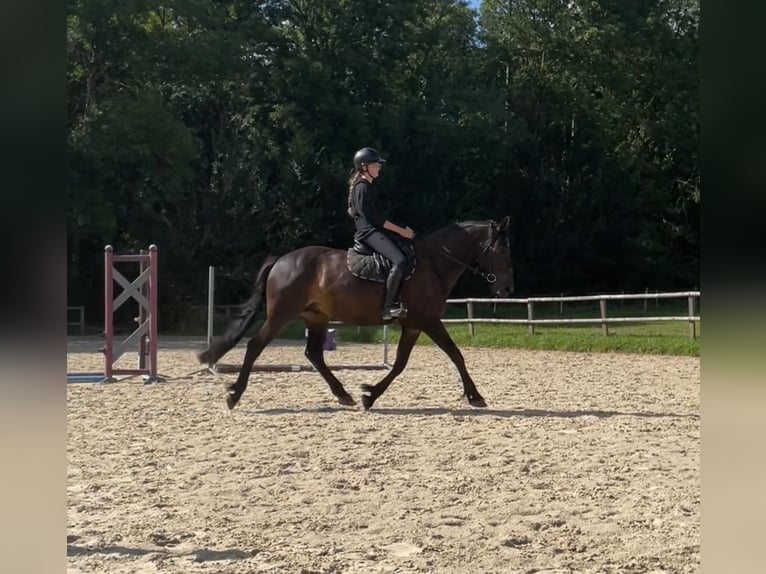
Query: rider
(372, 227)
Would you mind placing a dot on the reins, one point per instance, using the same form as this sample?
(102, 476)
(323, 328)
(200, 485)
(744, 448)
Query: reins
(489, 277)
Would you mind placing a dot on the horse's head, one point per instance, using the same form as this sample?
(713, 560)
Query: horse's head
(495, 258)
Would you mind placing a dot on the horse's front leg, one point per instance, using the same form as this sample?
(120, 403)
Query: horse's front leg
(441, 337)
(371, 392)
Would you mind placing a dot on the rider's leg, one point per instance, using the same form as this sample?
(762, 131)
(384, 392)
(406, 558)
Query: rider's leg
(388, 249)
(391, 308)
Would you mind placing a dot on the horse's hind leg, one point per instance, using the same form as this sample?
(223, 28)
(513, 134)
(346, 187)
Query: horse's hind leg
(315, 354)
(406, 342)
(255, 346)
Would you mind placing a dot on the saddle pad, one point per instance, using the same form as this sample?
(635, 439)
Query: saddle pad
(375, 267)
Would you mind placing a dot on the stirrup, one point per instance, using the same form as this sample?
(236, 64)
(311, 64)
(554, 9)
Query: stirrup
(395, 311)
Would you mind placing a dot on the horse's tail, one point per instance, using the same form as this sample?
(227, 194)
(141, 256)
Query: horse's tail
(239, 326)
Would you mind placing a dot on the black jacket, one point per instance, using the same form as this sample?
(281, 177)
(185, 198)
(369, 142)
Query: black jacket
(367, 216)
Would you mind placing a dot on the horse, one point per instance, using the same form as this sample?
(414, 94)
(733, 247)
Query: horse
(316, 284)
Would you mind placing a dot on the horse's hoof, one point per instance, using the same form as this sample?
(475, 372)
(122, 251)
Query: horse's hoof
(347, 401)
(478, 402)
(232, 398)
(367, 397)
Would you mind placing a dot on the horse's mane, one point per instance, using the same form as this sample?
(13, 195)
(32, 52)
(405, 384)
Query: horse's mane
(445, 236)
(450, 228)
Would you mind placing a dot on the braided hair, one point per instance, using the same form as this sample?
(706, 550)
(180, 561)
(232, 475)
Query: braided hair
(356, 175)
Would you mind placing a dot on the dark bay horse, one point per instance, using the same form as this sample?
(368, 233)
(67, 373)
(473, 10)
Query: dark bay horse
(314, 283)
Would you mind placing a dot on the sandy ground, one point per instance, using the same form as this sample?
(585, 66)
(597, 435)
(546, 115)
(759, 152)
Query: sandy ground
(582, 463)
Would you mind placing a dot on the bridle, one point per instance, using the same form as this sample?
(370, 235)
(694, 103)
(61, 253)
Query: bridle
(488, 276)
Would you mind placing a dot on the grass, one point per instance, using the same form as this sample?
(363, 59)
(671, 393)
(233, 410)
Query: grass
(648, 338)
(653, 338)
(664, 338)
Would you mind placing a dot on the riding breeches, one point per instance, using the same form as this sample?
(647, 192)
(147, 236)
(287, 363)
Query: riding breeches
(387, 248)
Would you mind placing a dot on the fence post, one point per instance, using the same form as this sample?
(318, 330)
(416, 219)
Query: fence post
(210, 306)
(469, 305)
(604, 325)
(143, 346)
(153, 313)
(692, 324)
(646, 299)
(385, 344)
(108, 310)
(561, 306)
(530, 316)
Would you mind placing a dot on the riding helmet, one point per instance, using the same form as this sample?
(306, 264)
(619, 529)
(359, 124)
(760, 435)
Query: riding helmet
(367, 155)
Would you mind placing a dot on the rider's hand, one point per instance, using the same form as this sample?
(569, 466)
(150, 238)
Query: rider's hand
(407, 233)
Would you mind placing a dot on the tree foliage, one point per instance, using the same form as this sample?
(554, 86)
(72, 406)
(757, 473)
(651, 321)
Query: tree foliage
(223, 131)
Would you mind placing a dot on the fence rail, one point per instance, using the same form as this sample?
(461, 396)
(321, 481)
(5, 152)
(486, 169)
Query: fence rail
(604, 320)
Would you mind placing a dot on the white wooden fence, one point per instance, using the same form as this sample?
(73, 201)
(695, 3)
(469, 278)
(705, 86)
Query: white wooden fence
(604, 320)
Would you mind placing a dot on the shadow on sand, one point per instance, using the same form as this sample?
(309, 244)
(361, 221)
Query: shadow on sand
(204, 555)
(463, 412)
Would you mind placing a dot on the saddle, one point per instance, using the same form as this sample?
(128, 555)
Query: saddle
(365, 263)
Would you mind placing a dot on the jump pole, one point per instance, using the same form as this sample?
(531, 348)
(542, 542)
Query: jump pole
(223, 368)
(85, 378)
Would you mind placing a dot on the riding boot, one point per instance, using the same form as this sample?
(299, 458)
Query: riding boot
(391, 308)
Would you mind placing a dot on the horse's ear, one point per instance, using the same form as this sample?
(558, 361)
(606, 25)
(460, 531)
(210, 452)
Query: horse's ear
(504, 224)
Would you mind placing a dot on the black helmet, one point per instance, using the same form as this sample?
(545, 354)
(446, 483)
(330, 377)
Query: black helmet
(367, 155)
